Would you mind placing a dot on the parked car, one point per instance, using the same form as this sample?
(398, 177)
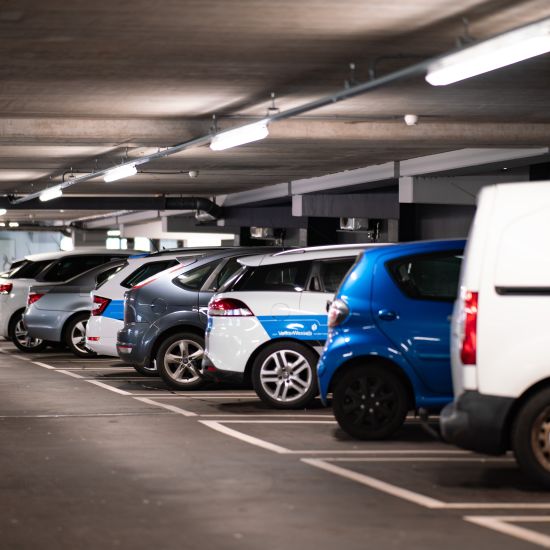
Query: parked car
(165, 317)
(51, 267)
(388, 347)
(501, 372)
(273, 318)
(59, 312)
(108, 298)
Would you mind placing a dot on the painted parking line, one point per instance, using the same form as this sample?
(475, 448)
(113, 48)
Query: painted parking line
(504, 524)
(107, 387)
(44, 365)
(72, 374)
(174, 409)
(327, 464)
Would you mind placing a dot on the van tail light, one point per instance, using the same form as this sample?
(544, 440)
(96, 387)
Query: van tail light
(5, 288)
(228, 307)
(99, 305)
(337, 313)
(468, 352)
(33, 297)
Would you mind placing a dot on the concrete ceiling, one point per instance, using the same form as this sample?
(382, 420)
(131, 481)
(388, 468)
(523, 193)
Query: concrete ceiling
(84, 83)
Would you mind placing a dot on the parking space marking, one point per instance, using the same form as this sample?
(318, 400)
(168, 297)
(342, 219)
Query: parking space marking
(503, 524)
(113, 369)
(195, 396)
(172, 408)
(107, 387)
(83, 415)
(412, 496)
(266, 415)
(42, 365)
(72, 374)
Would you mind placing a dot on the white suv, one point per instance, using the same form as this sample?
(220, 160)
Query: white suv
(499, 344)
(50, 267)
(269, 322)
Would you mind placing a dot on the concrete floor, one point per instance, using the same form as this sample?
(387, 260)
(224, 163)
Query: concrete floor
(96, 456)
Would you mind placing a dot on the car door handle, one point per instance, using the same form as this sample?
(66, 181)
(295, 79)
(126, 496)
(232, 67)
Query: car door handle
(387, 315)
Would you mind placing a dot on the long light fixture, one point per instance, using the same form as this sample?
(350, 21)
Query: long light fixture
(3, 211)
(494, 53)
(13, 224)
(239, 136)
(123, 171)
(51, 193)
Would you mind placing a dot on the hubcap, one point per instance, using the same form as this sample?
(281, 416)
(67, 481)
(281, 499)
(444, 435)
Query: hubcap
(23, 338)
(286, 376)
(78, 337)
(182, 361)
(370, 402)
(540, 438)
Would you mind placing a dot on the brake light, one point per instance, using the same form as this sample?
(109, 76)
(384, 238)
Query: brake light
(99, 305)
(228, 307)
(33, 297)
(337, 313)
(6, 288)
(468, 352)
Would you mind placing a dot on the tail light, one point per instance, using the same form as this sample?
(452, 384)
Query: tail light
(33, 297)
(468, 351)
(228, 307)
(337, 313)
(5, 288)
(99, 305)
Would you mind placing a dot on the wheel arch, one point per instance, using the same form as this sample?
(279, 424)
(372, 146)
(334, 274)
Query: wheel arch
(376, 360)
(21, 310)
(63, 333)
(161, 337)
(260, 348)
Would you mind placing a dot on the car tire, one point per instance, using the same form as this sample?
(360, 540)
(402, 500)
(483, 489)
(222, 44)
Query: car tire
(179, 360)
(150, 369)
(75, 335)
(19, 335)
(370, 402)
(530, 437)
(284, 375)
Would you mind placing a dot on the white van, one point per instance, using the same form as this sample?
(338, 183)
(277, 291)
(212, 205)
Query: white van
(500, 340)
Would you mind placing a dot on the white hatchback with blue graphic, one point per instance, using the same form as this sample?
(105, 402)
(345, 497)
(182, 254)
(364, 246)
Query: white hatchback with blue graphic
(269, 322)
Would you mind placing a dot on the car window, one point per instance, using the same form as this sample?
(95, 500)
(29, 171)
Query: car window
(145, 271)
(195, 278)
(104, 276)
(70, 266)
(332, 272)
(428, 276)
(290, 276)
(226, 272)
(28, 269)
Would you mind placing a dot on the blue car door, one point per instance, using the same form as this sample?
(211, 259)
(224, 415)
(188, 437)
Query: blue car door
(412, 304)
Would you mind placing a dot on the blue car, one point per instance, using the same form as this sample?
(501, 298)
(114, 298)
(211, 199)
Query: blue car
(388, 348)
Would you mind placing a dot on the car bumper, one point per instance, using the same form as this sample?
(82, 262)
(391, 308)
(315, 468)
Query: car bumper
(101, 335)
(213, 374)
(477, 422)
(128, 345)
(45, 324)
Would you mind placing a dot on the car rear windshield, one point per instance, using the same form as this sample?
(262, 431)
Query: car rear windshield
(147, 270)
(70, 266)
(108, 274)
(291, 276)
(195, 278)
(428, 276)
(28, 269)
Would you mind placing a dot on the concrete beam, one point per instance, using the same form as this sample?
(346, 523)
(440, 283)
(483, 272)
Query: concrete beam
(368, 205)
(457, 190)
(265, 216)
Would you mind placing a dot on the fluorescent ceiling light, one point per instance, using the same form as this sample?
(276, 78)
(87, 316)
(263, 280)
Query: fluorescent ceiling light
(2, 224)
(124, 171)
(113, 233)
(3, 211)
(13, 224)
(51, 193)
(494, 53)
(239, 136)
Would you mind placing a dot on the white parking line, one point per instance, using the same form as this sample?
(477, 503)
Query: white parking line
(72, 374)
(502, 524)
(46, 366)
(172, 408)
(412, 496)
(107, 387)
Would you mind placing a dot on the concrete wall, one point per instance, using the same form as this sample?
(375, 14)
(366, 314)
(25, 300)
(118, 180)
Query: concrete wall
(16, 244)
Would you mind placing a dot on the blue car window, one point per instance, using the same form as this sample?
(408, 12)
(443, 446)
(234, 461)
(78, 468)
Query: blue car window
(428, 276)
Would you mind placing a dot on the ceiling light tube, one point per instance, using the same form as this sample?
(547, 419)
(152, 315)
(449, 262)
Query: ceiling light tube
(239, 136)
(51, 193)
(502, 50)
(124, 171)
(14, 224)
(3, 211)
